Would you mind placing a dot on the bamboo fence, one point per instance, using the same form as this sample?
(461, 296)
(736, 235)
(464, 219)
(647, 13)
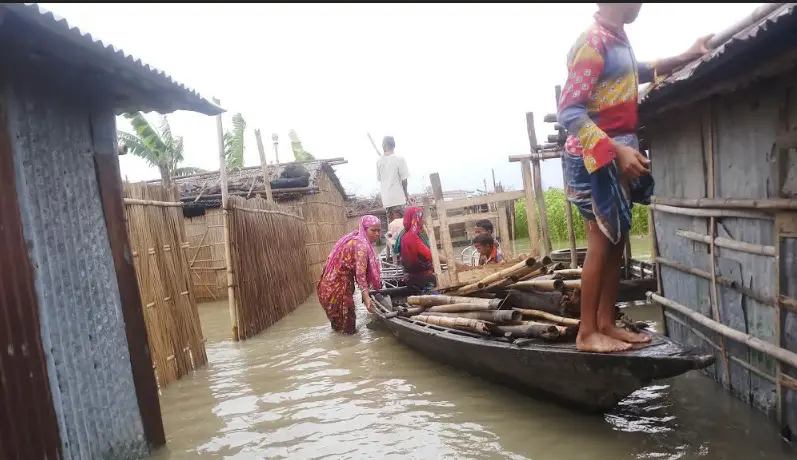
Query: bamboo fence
(158, 246)
(270, 266)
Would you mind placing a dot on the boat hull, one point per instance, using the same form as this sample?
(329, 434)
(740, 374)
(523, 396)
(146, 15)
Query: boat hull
(591, 382)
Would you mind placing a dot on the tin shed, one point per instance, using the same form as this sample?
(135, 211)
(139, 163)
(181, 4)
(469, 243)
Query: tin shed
(77, 378)
(721, 135)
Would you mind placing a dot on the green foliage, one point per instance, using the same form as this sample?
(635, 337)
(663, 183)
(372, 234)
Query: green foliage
(299, 153)
(234, 143)
(157, 146)
(555, 203)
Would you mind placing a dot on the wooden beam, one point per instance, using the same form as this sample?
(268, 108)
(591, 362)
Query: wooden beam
(233, 306)
(464, 218)
(711, 212)
(445, 233)
(531, 215)
(266, 178)
(729, 203)
(427, 212)
(535, 156)
(480, 200)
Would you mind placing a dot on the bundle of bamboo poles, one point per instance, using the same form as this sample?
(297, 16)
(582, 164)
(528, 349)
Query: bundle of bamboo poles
(269, 262)
(529, 299)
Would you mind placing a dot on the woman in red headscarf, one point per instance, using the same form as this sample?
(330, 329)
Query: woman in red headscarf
(353, 259)
(415, 252)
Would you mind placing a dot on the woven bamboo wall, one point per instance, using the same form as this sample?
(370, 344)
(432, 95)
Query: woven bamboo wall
(325, 217)
(158, 245)
(269, 262)
(205, 236)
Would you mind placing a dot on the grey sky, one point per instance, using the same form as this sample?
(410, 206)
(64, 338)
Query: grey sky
(451, 82)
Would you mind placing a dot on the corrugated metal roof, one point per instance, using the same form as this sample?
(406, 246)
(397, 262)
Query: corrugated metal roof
(129, 68)
(737, 43)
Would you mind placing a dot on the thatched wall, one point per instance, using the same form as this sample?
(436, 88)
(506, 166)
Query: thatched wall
(159, 249)
(269, 263)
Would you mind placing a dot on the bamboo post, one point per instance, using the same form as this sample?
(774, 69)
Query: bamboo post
(226, 218)
(531, 215)
(503, 225)
(445, 233)
(266, 178)
(275, 142)
(427, 212)
(712, 253)
(571, 233)
(537, 181)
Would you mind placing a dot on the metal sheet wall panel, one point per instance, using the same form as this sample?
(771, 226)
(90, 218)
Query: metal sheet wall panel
(82, 327)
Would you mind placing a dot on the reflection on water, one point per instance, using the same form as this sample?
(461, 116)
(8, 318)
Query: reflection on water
(299, 391)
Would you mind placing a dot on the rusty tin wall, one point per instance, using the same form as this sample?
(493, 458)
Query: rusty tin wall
(82, 328)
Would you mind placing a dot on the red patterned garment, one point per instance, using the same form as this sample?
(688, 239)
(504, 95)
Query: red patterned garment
(599, 99)
(352, 260)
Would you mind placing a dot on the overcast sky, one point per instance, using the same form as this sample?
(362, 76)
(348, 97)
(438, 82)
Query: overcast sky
(450, 82)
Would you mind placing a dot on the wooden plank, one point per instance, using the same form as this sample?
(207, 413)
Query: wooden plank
(503, 224)
(464, 218)
(438, 271)
(445, 232)
(266, 178)
(483, 199)
(531, 216)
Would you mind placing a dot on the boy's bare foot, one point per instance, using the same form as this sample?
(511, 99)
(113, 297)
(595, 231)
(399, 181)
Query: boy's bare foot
(625, 335)
(599, 343)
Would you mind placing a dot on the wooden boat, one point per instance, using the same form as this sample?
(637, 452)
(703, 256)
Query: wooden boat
(592, 382)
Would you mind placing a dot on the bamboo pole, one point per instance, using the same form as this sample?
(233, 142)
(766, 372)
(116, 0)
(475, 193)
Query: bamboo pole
(457, 307)
(445, 232)
(540, 285)
(531, 215)
(469, 324)
(435, 300)
(549, 316)
(544, 155)
(693, 212)
(226, 217)
(711, 190)
(767, 348)
(537, 182)
(575, 272)
(493, 316)
(503, 225)
(529, 263)
(571, 234)
(774, 204)
(163, 204)
(729, 243)
(438, 270)
(266, 178)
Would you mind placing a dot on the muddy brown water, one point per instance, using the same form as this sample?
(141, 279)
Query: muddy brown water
(300, 391)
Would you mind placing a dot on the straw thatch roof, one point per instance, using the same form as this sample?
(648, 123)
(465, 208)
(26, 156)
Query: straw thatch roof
(249, 181)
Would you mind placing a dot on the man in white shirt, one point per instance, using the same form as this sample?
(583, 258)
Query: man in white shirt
(392, 174)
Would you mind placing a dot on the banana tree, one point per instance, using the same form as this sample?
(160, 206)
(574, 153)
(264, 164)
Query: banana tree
(299, 153)
(157, 146)
(234, 143)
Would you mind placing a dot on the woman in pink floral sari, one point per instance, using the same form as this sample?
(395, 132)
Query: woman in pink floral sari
(352, 260)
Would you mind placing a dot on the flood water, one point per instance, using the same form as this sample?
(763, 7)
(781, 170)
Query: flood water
(300, 391)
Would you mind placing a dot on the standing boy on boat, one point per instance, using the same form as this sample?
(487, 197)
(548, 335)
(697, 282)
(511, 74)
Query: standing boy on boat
(604, 171)
(392, 174)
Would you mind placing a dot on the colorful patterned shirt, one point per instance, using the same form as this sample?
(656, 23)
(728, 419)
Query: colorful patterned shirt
(599, 99)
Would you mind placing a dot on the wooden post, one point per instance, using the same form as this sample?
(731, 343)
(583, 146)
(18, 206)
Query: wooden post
(429, 228)
(275, 141)
(712, 231)
(226, 218)
(512, 228)
(445, 232)
(546, 237)
(266, 179)
(495, 184)
(531, 215)
(571, 233)
(503, 225)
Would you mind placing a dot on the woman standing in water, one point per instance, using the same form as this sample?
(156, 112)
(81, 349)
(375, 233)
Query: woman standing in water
(353, 259)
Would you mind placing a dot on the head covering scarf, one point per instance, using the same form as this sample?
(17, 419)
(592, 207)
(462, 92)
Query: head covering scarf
(411, 236)
(362, 236)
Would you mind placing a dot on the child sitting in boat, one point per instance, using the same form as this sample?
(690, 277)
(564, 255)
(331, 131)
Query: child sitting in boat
(484, 226)
(488, 249)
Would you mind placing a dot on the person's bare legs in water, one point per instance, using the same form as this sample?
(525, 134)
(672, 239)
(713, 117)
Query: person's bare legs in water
(600, 282)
